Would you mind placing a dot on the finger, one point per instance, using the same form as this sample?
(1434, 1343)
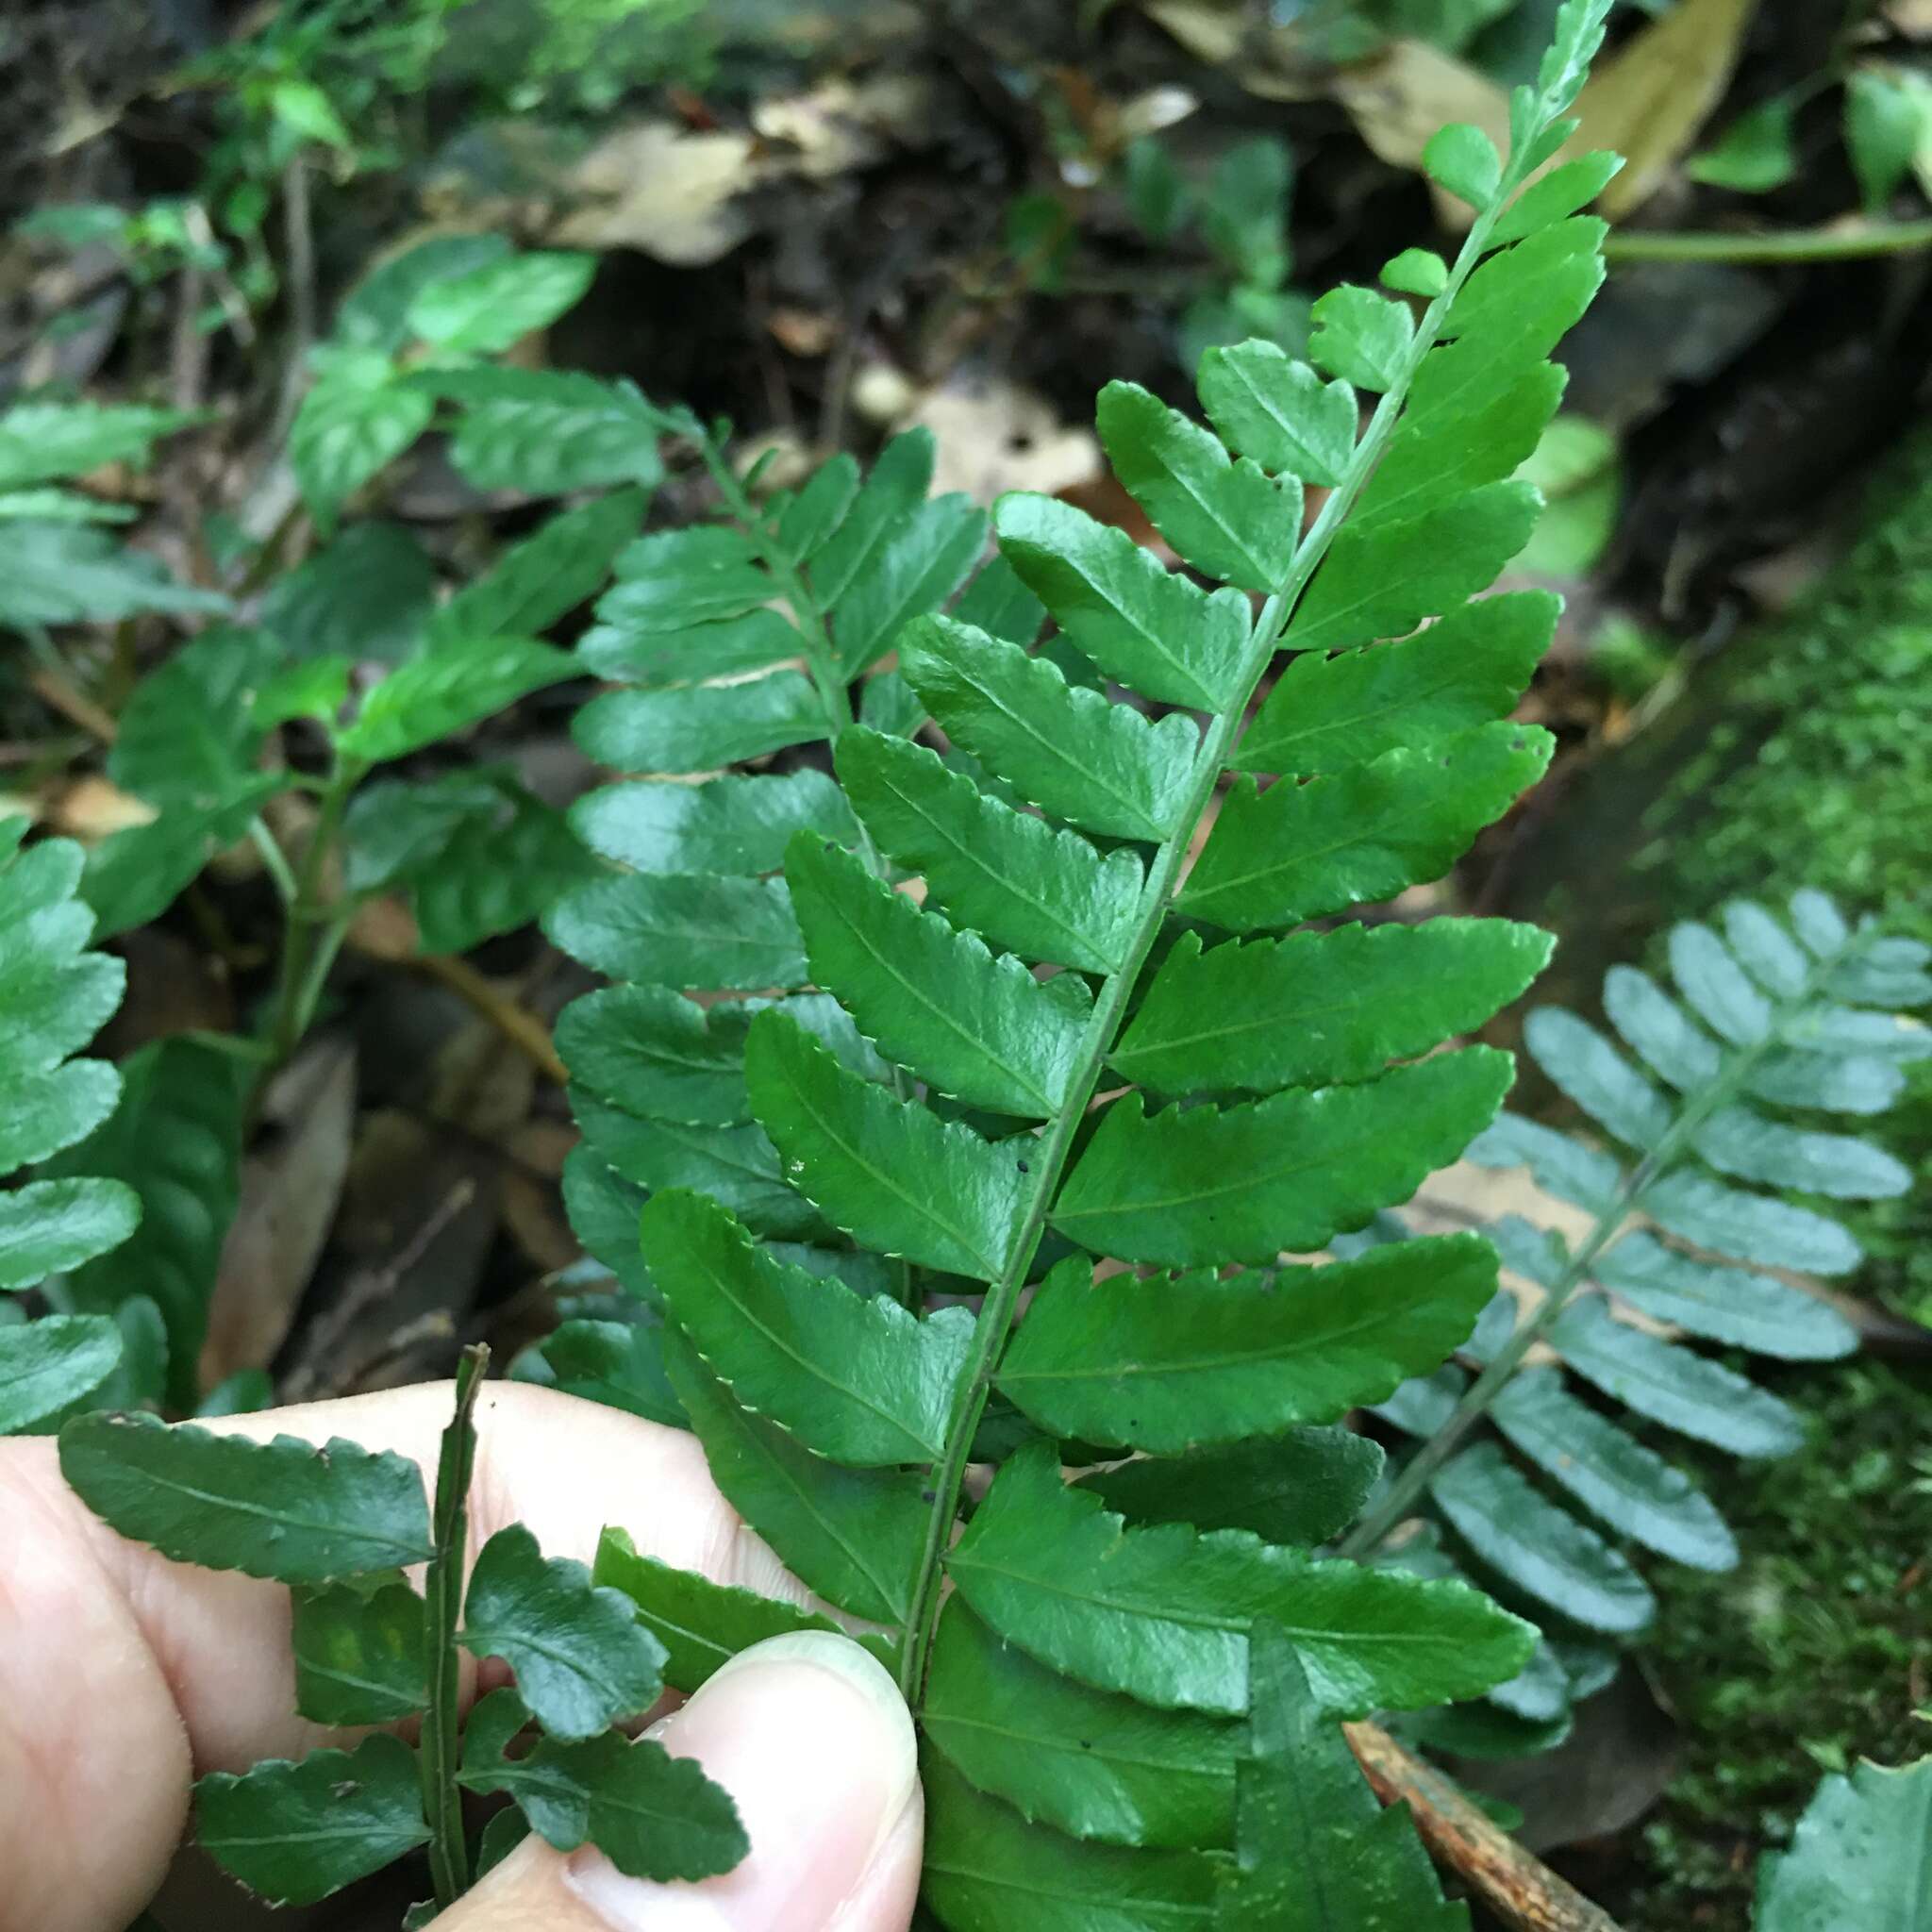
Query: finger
(123, 1675)
(810, 1736)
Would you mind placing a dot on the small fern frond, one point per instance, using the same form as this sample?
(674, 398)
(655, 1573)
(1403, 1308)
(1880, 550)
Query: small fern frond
(55, 993)
(1769, 1015)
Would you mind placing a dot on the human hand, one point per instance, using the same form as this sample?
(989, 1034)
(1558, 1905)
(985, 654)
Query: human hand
(123, 1676)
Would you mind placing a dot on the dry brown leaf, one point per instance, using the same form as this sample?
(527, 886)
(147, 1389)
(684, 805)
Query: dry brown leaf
(288, 1198)
(1399, 99)
(1270, 62)
(1912, 18)
(1649, 101)
(994, 436)
(666, 192)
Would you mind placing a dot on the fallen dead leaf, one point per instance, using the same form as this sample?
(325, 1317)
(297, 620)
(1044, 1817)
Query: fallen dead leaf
(1398, 100)
(290, 1194)
(663, 192)
(994, 436)
(1649, 99)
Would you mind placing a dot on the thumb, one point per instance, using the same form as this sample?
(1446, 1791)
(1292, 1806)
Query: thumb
(808, 1734)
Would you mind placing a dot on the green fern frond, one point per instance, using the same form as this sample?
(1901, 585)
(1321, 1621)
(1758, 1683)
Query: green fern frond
(1106, 894)
(1768, 1016)
(56, 994)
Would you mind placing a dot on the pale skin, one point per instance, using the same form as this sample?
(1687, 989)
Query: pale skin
(122, 1676)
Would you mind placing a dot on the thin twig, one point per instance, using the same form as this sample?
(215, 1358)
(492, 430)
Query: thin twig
(298, 236)
(1792, 245)
(1518, 1888)
(518, 1024)
(74, 706)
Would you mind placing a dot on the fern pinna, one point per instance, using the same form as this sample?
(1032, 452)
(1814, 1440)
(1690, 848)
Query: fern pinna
(1771, 1022)
(1083, 1043)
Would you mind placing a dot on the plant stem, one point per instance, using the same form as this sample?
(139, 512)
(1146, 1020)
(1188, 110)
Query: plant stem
(442, 1593)
(315, 929)
(1791, 245)
(1733, 1074)
(274, 859)
(1056, 1145)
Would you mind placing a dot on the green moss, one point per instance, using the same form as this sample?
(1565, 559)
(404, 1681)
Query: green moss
(1814, 1651)
(1819, 772)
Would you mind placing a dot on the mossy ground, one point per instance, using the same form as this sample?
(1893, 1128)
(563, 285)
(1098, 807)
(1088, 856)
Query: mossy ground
(1815, 1651)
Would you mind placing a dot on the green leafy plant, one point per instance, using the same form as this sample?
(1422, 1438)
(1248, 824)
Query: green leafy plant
(283, 723)
(1769, 1024)
(54, 994)
(339, 1526)
(1857, 1861)
(1127, 1050)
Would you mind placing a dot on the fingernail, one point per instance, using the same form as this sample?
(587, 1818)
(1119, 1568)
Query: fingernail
(809, 1735)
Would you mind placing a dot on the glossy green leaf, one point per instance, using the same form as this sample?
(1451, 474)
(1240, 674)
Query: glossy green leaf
(1278, 412)
(1204, 1186)
(730, 824)
(738, 1165)
(898, 483)
(1314, 1851)
(886, 1171)
(1584, 1065)
(1362, 337)
(1046, 894)
(547, 431)
(367, 593)
(543, 579)
(1741, 1141)
(1841, 1083)
(436, 696)
(1084, 1762)
(1659, 1030)
(1315, 1008)
(63, 573)
(654, 1053)
(680, 930)
(1279, 857)
(47, 1364)
(175, 1140)
(857, 1378)
(49, 1227)
(1541, 1549)
(1325, 713)
(1416, 271)
(44, 442)
(375, 313)
(1626, 1486)
(1715, 987)
(1176, 1362)
(1464, 161)
(1162, 1614)
(702, 727)
(654, 1816)
(294, 1833)
(496, 304)
(701, 1625)
(135, 874)
(1733, 1305)
(361, 1654)
(1857, 1861)
(924, 560)
(988, 1870)
(1303, 1487)
(1383, 580)
(975, 1025)
(1142, 624)
(1673, 1386)
(188, 730)
(356, 418)
(51, 1111)
(804, 519)
(1749, 1227)
(285, 1509)
(1765, 950)
(1552, 197)
(1097, 764)
(1227, 519)
(852, 1535)
(618, 1363)
(582, 1661)
(540, 1779)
